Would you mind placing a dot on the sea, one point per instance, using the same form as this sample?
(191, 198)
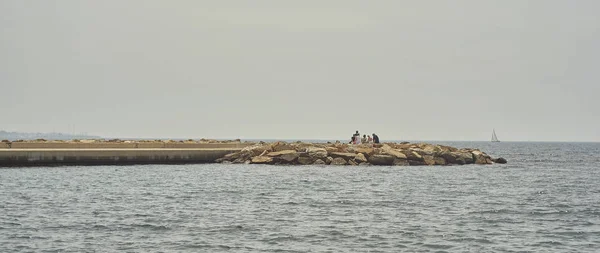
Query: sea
(546, 199)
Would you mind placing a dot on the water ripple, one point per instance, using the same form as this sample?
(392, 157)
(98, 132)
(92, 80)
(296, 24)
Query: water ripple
(545, 199)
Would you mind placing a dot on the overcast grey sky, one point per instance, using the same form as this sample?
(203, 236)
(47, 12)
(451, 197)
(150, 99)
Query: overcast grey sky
(418, 70)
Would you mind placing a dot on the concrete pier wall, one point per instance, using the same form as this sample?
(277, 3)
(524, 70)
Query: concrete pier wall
(53, 157)
(101, 145)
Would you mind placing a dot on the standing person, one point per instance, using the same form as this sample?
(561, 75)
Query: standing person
(369, 139)
(356, 137)
(375, 138)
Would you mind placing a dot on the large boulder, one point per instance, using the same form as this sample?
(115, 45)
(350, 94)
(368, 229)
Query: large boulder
(403, 146)
(436, 148)
(481, 158)
(257, 149)
(439, 160)
(338, 161)
(262, 160)
(500, 160)
(417, 163)
(429, 159)
(412, 155)
(458, 157)
(283, 152)
(467, 157)
(319, 162)
(288, 158)
(331, 149)
(328, 160)
(345, 156)
(400, 162)
(395, 153)
(242, 160)
(316, 153)
(366, 151)
(238, 157)
(432, 148)
(306, 160)
(280, 146)
(422, 152)
(360, 158)
(381, 159)
(448, 148)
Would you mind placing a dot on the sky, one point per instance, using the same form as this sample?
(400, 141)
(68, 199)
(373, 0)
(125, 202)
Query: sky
(311, 69)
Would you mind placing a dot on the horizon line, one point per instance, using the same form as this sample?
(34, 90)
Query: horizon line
(86, 134)
(319, 139)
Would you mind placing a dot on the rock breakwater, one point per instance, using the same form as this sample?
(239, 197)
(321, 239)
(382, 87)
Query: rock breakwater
(397, 154)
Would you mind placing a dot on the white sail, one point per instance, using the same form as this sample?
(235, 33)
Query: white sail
(494, 137)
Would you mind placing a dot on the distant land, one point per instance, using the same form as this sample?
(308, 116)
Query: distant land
(13, 136)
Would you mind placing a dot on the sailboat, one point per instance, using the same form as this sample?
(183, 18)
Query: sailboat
(494, 137)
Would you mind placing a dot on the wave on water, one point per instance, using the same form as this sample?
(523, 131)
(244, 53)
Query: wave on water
(546, 199)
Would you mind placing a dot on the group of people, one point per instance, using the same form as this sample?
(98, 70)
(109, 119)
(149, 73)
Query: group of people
(356, 139)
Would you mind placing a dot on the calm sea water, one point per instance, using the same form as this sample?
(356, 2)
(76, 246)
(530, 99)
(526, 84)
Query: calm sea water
(547, 199)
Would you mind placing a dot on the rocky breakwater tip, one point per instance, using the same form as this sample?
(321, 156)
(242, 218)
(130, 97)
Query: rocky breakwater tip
(397, 154)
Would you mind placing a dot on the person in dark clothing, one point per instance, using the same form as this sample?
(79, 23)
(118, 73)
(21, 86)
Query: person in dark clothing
(375, 138)
(356, 138)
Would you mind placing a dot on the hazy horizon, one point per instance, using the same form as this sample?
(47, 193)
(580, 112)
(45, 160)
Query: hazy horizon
(406, 70)
(91, 136)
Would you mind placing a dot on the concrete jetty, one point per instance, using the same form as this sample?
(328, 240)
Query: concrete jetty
(117, 152)
(18, 154)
